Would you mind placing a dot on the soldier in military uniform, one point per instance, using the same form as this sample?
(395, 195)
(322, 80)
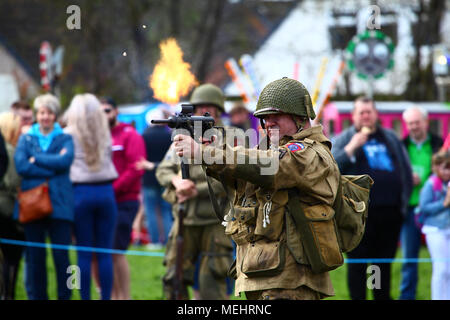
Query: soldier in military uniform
(204, 237)
(271, 262)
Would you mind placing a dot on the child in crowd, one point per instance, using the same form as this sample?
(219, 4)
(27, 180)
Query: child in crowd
(435, 207)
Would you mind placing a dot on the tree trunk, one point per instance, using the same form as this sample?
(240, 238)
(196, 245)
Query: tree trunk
(210, 39)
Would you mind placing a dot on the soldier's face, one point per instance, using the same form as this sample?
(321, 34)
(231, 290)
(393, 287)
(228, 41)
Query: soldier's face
(364, 115)
(200, 110)
(279, 125)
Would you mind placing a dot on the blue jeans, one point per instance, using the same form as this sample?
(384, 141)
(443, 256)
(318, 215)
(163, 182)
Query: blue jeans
(157, 208)
(410, 241)
(95, 221)
(60, 232)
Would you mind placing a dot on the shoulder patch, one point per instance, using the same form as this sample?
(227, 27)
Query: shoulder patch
(295, 146)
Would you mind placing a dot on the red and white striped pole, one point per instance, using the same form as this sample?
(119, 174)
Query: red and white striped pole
(236, 75)
(45, 53)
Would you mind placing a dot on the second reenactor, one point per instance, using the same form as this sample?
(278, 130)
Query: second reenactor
(204, 239)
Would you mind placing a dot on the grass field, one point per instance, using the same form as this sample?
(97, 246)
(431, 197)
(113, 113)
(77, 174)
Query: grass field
(146, 273)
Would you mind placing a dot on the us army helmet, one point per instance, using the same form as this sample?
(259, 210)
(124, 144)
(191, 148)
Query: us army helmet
(208, 94)
(285, 96)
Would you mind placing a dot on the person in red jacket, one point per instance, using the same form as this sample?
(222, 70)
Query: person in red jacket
(128, 148)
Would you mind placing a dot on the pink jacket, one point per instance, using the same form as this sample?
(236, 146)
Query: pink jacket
(128, 147)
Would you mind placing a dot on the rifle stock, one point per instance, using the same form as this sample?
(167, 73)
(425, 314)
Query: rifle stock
(178, 288)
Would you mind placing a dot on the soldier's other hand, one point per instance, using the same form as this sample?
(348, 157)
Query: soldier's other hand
(208, 142)
(186, 194)
(181, 184)
(186, 147)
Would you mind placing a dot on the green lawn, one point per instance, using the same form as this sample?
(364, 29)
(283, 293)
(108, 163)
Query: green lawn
(146, 273)
(339, 277)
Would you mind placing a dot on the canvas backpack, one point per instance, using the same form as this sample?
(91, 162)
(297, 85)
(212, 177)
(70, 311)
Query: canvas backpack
(328, 232)
(351, 209)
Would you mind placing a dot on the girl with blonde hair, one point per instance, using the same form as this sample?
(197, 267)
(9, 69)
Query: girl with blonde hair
(92, 174)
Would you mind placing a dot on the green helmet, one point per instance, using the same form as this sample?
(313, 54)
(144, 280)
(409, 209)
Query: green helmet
(285, 96)
(208, 94)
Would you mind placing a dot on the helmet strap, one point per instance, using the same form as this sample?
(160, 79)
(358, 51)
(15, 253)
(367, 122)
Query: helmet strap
(299, 122)
(261, 121)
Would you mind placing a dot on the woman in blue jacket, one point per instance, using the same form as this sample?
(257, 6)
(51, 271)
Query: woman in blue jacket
(435, 207)
(45, 152)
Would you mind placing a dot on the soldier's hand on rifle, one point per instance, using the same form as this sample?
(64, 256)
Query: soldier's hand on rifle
(184, 188)
(186, 194)
(186, 147)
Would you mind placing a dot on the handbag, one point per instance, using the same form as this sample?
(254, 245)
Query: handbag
(34, 203)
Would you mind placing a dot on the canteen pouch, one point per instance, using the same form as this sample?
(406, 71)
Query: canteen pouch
(264, 259)
(318, 233)
(351, 207)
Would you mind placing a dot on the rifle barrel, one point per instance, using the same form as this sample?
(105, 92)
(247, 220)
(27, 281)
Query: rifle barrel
(156, 121)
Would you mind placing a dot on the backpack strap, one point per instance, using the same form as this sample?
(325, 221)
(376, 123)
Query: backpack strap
(218, 209)
(437, 183)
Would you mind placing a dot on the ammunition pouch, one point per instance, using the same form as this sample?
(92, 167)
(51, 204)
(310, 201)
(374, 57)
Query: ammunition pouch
(318, 232)
(246, 215)
(264, 259)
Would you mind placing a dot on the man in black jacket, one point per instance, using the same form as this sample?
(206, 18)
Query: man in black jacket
(367, 148)
(420, 145)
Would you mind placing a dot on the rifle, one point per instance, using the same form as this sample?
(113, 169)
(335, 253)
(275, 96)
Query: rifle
(184, 120)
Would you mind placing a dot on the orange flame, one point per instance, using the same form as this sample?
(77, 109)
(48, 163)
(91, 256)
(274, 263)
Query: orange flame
(171, 78)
